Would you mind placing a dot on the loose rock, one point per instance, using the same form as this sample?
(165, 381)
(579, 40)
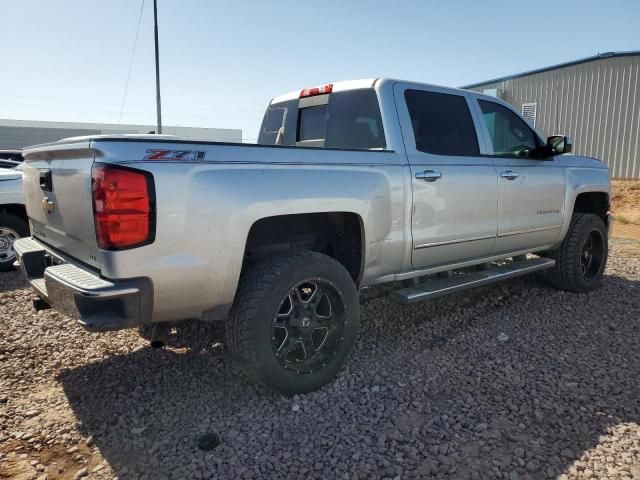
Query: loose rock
(511, 381)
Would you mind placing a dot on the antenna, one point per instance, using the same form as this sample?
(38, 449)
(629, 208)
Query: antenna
(158, 106)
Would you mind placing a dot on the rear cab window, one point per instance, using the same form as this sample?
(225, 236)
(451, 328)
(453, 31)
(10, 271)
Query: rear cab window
(345, 120)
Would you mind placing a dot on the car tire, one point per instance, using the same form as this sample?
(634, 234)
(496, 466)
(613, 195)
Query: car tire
(582, 256)
(294, 321)
(12, 227)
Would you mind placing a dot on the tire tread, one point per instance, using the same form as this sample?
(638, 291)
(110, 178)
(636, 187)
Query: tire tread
(564, 276)
(256, 282)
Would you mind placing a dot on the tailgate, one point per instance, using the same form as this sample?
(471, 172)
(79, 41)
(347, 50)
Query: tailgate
(57, 187)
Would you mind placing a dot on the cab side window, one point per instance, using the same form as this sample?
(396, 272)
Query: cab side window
(510, 135)
(442, 123)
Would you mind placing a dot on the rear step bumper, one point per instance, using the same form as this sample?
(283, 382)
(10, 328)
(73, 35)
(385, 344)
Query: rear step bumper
(462, 281)
(96, 303)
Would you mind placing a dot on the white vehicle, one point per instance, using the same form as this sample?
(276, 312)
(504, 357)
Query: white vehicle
(13, 216)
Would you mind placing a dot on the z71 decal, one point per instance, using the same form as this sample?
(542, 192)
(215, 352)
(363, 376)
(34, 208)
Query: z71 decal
(159, 154)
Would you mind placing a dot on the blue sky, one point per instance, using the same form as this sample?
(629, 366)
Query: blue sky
(221, 61)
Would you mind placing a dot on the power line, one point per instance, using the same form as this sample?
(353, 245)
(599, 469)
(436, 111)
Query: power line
(133, 52)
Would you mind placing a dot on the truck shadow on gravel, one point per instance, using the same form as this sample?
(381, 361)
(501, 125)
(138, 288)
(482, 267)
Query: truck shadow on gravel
(511, 381)
(12, 280)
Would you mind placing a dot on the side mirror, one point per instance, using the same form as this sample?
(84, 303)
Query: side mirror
(560, 143)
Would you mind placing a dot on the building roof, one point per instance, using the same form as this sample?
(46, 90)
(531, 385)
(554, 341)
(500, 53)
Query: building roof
(599, 56)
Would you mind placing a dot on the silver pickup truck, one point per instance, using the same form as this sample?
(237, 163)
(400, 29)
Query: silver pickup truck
(351, 184)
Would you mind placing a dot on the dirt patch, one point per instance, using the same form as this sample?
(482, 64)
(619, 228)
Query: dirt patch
(625, 201)
(625, 205)
(56, 462)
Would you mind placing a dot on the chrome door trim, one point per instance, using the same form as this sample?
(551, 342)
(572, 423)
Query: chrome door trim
(449, 242)
(529, 230)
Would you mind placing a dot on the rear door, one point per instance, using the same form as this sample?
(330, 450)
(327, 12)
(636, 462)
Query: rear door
(530, 188)
(454, 186)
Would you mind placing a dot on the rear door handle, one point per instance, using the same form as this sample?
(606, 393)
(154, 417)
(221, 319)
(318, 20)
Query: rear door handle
(509, 175)
(428, 175)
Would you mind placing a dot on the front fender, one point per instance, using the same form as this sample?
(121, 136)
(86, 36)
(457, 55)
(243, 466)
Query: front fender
(582, 180)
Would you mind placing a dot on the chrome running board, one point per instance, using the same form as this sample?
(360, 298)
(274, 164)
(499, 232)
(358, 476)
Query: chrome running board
(464, 280)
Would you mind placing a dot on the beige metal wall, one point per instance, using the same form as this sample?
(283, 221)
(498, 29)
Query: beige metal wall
(597, 103)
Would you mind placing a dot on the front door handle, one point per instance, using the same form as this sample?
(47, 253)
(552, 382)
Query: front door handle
(428, 175)
(509, 175)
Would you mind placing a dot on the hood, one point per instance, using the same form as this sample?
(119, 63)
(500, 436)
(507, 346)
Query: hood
(569, 160)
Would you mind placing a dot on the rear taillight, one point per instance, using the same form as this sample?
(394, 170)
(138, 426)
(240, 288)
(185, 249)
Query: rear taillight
(123, 207)
(313, 91)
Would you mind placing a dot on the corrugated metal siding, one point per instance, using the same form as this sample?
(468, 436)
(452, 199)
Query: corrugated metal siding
(597, 103)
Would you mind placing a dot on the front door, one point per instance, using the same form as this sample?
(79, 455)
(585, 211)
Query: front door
(530, 188)
(454, 187)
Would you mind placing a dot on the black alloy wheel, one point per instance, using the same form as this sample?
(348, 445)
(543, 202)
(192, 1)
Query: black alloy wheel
(592, 254)
(581, 257)
(308, 326)
(294, 320)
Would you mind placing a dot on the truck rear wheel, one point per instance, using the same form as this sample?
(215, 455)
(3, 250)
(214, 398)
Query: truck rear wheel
(12, 228)
(294, 321)
(582, 255)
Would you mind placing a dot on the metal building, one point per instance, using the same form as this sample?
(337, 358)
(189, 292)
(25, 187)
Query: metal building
(23, 133)
(595, 100)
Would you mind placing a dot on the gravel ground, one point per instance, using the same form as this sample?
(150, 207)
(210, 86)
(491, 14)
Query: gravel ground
(513, 381)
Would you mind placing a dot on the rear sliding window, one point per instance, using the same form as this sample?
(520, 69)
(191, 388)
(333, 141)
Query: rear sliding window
(348, 119)
(312, 123)
(442, 123)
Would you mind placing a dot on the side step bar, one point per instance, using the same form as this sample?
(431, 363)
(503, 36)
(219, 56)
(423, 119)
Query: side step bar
(462, 281)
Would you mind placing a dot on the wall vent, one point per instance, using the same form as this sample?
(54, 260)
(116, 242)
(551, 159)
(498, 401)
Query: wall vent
(529, 112)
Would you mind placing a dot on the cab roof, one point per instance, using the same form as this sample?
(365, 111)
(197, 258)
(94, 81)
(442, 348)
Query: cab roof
(355, 85)
(337, 87)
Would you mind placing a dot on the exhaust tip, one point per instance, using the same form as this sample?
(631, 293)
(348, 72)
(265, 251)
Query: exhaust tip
(160, 334)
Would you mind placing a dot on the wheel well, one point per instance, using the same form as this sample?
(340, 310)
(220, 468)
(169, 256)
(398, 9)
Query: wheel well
(593, 202)
(14, 209)
(336, 234)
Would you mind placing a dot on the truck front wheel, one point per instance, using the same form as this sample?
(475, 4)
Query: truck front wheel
(294, 321)
(582, 255)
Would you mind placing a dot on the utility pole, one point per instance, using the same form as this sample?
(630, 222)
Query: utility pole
(155, 26)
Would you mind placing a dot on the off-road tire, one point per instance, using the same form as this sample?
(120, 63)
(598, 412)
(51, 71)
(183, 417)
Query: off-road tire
(567, 273)
(262, 287)
(18, 225)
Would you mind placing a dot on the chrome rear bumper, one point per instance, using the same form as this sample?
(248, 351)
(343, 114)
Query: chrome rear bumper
(98, 304)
